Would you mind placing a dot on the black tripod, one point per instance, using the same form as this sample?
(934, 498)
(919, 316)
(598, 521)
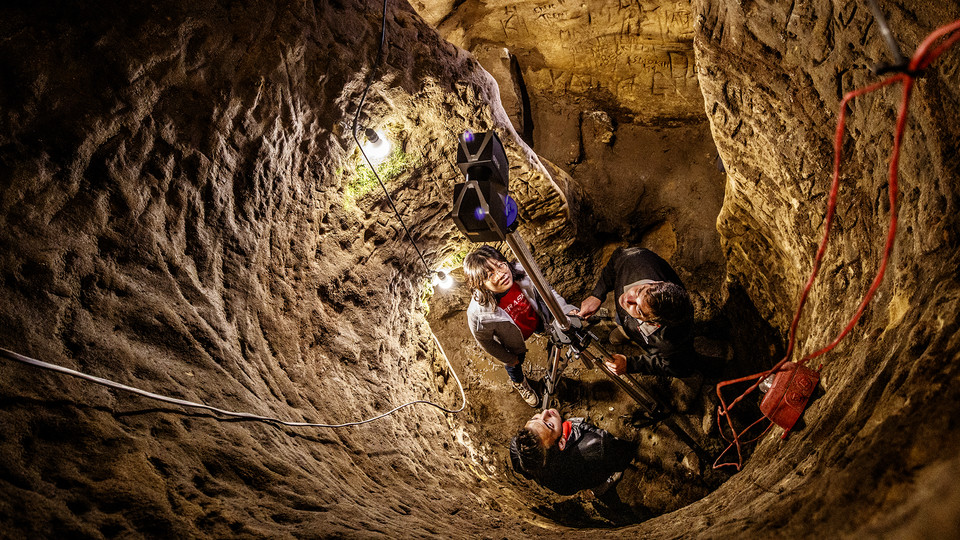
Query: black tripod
(484, 212)
(567, 334)
(578, 343)
(570, 341)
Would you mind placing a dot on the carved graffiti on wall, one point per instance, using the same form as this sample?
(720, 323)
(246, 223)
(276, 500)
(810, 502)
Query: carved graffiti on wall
(632, 51)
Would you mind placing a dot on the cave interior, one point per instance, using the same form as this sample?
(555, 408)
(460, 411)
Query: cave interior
(184, 209)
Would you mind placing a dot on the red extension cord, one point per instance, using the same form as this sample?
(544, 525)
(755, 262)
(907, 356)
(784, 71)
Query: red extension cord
(922, 58)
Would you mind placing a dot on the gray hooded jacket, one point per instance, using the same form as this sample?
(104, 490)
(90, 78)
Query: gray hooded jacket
(496, 332)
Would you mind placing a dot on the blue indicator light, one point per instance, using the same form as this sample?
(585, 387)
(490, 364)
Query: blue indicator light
(511, 210)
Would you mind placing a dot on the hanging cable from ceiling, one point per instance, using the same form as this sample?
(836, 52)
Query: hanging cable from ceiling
(373, 137)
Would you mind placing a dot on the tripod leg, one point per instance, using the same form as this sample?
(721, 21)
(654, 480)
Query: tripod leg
(641, 397)
(646, 402)
(552, 378)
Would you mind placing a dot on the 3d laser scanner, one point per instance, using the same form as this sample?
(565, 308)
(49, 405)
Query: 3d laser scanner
(482, 207)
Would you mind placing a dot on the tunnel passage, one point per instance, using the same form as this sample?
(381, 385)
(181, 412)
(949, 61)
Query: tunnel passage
(176, 215)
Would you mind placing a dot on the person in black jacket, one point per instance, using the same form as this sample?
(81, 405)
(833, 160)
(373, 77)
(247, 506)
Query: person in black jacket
(568, 456)
(653, 310)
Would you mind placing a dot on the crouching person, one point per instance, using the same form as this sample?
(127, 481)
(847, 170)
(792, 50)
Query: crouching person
(653, 310)
(568, 456)
(504, 311)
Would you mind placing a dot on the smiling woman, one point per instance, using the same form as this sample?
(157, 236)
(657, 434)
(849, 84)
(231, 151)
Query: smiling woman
(505, 310)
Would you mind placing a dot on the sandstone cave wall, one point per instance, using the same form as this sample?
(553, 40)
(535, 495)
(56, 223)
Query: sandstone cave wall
(174, 215)
(880, 448)
(634, 55)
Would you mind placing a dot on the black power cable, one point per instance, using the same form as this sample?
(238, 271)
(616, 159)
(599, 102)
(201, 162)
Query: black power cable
(356, 137)
(900, 63)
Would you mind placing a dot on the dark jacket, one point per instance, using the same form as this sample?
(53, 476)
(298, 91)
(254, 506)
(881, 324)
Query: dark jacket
(591, 455)
(668, 350)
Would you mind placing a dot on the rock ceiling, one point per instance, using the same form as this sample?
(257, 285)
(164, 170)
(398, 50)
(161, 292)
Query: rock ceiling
(635, 58)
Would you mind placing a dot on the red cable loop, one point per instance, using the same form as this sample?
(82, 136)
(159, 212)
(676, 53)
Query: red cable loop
(921, 59)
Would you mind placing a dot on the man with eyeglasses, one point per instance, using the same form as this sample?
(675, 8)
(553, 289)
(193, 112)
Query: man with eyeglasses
(653, 310)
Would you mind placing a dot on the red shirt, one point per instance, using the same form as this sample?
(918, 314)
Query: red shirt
(520, 310)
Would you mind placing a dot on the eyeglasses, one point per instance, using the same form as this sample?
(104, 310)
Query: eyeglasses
(499, 267)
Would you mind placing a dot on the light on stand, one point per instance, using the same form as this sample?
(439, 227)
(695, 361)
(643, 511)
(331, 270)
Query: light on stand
(377, 147)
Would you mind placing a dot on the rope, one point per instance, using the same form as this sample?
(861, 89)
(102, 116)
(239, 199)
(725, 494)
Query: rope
(921, 59)
(233, 414)
(356, 137)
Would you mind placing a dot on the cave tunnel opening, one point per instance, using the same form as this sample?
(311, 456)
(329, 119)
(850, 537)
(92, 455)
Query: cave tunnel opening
(667, 471)
(182, 209)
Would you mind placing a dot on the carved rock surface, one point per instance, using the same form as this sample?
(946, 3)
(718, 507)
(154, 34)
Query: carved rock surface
(607, 95)
(874, 455)
(181, 210)
(174, 216)
(637, 55)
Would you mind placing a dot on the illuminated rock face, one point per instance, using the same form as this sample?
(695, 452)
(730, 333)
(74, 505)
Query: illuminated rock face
(875, 451)
(607, 95)
(637, 55)
(180, 210)
(175, 216)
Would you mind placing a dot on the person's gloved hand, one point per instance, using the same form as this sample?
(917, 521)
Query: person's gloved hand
(619, 364)
(589, 306)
